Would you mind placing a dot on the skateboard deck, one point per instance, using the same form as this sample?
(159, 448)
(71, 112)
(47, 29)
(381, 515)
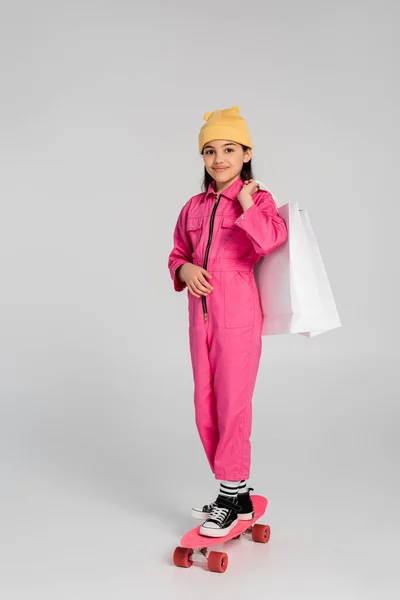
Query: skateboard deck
(193, 542)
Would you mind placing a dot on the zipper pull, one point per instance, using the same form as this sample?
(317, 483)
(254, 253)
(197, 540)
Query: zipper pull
(205, 317)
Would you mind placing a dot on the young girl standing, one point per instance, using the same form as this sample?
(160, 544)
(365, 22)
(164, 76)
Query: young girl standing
(219, 236)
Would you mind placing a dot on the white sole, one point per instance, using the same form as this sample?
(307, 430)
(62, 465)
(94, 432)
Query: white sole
(246, 516)
(210, 532)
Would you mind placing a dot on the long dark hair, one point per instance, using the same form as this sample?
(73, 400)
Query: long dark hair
(245, 173)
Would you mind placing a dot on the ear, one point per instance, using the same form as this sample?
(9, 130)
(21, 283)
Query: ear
(247, 155)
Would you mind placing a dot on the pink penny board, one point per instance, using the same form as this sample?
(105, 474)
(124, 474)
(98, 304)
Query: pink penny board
(194, 540)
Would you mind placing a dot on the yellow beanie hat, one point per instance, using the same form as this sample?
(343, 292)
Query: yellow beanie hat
(224, 124)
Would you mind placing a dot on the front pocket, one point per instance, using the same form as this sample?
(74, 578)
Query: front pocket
(239, 299)
(232, 237)
(194, 227)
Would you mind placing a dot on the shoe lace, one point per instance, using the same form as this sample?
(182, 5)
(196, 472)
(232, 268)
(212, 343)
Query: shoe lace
(218, 514)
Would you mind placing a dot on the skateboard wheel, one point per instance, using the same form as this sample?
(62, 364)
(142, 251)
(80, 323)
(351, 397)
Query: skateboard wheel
(182, 557)
(217, 562)
(261, 533)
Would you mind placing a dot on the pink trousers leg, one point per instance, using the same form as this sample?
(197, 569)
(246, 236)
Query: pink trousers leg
(204, 400)
(235, 365)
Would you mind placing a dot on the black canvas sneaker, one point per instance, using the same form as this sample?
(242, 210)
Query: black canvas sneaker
(204, 512)
(222, 519)
(246, 509)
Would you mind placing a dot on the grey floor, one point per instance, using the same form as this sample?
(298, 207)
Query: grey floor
(92, 512)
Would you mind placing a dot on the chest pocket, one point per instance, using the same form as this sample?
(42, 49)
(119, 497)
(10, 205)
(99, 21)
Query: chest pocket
(233, 238)
(194, 228)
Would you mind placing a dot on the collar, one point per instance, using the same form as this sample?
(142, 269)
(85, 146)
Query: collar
(231, 192)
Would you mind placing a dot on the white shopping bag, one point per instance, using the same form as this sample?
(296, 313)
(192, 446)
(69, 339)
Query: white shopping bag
(294, 289)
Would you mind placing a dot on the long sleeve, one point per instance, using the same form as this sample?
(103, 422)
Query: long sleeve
(182, 251)
(263, 225)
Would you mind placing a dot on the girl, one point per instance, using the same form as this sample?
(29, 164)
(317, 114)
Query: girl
(219, 236)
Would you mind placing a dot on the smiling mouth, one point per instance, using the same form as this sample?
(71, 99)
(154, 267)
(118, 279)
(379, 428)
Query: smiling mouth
(220, 168)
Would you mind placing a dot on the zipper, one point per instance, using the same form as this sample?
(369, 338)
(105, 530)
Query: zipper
(203, 298)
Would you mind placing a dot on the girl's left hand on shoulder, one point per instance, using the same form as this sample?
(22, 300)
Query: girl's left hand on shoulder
(250, 186)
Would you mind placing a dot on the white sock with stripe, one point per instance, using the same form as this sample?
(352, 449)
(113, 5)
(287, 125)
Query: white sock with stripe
(242, 487)
(229, 488)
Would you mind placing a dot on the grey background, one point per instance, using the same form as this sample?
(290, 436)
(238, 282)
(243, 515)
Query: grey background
(101, 104)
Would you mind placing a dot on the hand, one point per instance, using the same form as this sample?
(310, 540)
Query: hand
(195, 278)
(250, 186)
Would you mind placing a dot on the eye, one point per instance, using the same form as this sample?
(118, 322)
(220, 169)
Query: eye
(231, 149)
(207, 151)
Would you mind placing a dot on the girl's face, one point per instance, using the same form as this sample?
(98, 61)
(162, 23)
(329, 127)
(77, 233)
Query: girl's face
(224, 160)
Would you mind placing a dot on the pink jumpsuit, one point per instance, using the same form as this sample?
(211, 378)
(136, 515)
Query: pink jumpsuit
(225, 327)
